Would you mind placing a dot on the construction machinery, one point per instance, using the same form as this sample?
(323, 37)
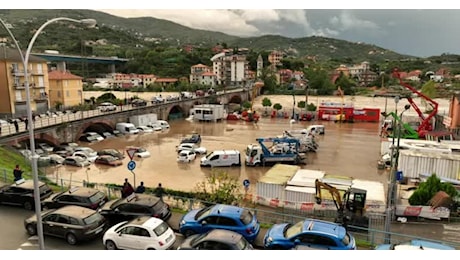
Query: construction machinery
(350, 204)
(280, 150)
(426, 124)
(389, 129)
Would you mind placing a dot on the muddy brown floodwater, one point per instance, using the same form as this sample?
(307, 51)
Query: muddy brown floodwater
(346, 149)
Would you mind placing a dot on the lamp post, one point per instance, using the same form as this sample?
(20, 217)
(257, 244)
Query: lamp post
(293, 106)
(25, 63)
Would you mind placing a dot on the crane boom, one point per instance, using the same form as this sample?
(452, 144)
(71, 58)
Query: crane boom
(425, 124)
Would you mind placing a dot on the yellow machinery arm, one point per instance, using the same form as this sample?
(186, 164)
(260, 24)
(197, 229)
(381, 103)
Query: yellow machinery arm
(332, 190)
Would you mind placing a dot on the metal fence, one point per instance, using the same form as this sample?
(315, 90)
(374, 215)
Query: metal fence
(374, 234)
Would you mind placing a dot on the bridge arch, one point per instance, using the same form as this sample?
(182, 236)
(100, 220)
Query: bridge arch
(235, 99)
(96, 126)
(176, 112)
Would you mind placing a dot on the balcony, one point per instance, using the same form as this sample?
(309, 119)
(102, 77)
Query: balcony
(17, 72)
(19, 86)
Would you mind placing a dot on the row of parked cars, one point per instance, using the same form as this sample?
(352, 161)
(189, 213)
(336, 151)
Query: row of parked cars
(139, 222)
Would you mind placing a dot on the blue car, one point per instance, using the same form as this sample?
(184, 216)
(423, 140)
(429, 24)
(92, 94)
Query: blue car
(415, 244)
(220, 216)
(309, 232)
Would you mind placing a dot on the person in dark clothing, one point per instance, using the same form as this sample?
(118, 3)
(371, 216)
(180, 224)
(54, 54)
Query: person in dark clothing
(140, 188)
(16, 125)
(26, 121)
(159, 191)
(17, 172)
(127, 189)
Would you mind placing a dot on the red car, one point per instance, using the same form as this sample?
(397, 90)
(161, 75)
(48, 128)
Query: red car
(108, 160)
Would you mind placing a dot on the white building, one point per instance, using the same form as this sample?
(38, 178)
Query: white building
(229, 68)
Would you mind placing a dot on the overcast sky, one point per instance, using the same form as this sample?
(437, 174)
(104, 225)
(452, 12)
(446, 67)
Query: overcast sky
(421, 33)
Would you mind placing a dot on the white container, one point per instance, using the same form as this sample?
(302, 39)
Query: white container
(414, 163)
(208, 112)
(272, 185)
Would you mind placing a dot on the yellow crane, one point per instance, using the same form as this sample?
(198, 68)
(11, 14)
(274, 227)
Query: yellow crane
(255, 89)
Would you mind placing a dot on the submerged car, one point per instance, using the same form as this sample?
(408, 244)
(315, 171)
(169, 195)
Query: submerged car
(186, 156)
(108, 160)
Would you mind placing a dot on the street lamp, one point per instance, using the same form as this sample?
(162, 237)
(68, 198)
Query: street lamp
(25, 62)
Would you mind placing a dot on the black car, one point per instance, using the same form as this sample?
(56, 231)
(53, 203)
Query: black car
(79, 196)
(194, 138)
(138, 103)
(73, 223)
(21, 193)
(216, 239)
(134, 206)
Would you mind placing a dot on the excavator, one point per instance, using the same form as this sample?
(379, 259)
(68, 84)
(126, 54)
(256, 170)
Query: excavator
(390, 130)
(350, 206)
(425, 121)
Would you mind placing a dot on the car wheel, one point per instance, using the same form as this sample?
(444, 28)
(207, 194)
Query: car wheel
(188, 233)
(27, 205)
(71, 239)
(31, 229)
(110, 245)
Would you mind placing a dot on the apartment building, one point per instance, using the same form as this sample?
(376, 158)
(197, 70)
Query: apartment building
(275, 58)
(65, 89)
(13, 101)
(231, 68)
(199, 72)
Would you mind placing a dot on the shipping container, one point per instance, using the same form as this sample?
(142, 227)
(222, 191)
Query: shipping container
(366, 115)
(208, 112)
(414, 163)
(272, 185)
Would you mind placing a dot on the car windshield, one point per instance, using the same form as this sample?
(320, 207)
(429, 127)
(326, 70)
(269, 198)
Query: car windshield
(291, 230)
(161, 229)
(246, 217)
(203, 212)
(94, 218)
(97, 197)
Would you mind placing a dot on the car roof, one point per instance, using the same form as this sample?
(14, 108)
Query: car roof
(325, 227)
(81, 191)
(223, 235)
(75, 211)
(140, 199)
(228, 210)
(27, 184)
(146, 221)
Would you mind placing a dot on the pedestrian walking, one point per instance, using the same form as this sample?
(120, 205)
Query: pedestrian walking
(140, 188)
(127, 189)
(16, 125)
(17, 173)
(159, 191)
(26, 121)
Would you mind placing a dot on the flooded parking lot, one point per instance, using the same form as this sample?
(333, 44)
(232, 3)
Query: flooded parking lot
(346, 149)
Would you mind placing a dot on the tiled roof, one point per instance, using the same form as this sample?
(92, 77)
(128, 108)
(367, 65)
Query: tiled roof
(60, 75)
(165, 80)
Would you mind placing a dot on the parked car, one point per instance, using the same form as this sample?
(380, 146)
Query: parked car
(138, 102)
(155, 126)
(309, 232)
(87, 150)
(84, 155)
(415, 244)
(46, 147)
(216, 239)
(133, 206)
(21, 193)
(186, 156)
(158, 99)
(112, 152)
(108, 160)
(56, 159)
(140, 152)
(73, 223)
(107, 135)
(76, 161)
(220, 216)
(117, 133)
(191, 146)
(107, 107)
(193, 138)
(145, 129)
(78, 196)
(172, 98)
(91, 137)
(141, 233)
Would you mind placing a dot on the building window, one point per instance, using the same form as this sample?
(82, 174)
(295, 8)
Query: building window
(18, 95)
(59, 94)
(41, 82)
(39, 68)
(67, 93)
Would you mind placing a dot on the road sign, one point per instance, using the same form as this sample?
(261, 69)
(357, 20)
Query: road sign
(246, 183)
(131, 165)
(131, 153)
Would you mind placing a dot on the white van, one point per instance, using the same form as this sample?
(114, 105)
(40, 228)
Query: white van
(127, 128)
(221, 158)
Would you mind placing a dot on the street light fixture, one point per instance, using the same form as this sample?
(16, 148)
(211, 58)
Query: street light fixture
(91, 23)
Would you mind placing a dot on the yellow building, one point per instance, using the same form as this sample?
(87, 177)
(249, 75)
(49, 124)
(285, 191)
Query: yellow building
(12, 84)
(65, 89)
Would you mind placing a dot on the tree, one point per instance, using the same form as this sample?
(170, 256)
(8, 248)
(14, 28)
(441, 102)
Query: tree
(277, 106)
(426, 190)
(266, 102)
(429, 90)
(246, 104)
(219, 187)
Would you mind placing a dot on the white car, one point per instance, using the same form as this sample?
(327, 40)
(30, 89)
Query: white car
(140, 152)
(191, 146)
(145, 129)
(186, 156)
(106, 107)
(142, 233)
(155, 126)
(86, 156)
